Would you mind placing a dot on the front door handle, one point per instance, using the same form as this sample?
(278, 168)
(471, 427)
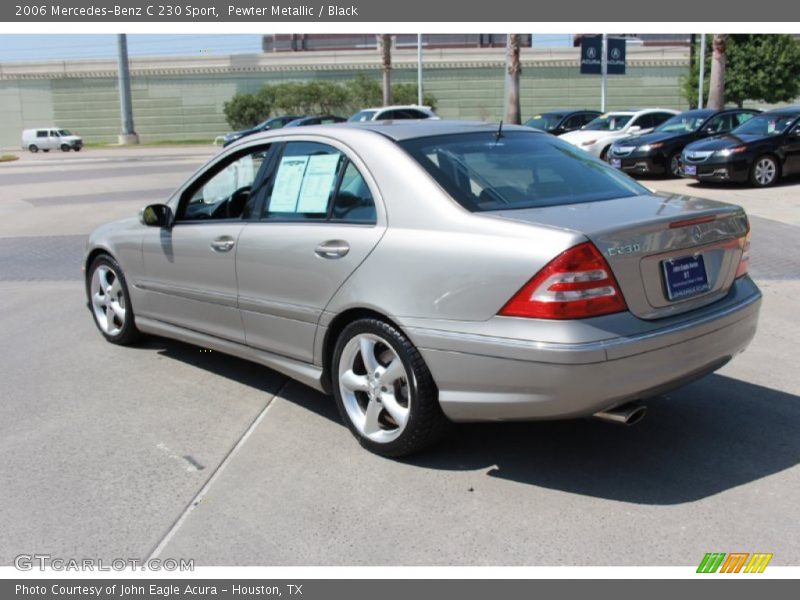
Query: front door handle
(223, 244)
(332, 249)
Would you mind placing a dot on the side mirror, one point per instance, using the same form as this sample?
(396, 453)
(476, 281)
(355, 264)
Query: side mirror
(156, 215)
(634, 129)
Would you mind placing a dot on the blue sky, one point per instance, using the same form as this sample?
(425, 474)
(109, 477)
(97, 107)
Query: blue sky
(47, 47)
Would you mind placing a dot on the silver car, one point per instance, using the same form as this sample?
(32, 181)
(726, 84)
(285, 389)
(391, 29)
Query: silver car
(426, 272)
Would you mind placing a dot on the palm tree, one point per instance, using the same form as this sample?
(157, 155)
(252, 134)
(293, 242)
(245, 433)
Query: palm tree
(716, 91)
(385, 46)
(512, 78)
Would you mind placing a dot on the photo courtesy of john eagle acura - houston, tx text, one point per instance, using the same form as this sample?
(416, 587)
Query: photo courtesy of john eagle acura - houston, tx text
(430, 271)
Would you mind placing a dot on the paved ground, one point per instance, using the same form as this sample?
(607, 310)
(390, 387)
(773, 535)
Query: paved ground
(119, 452)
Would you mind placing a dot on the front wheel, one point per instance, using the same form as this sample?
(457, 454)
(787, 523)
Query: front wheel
(765, 171)
(675, 165)
(110, 301)
(384, 390)
(33, 148)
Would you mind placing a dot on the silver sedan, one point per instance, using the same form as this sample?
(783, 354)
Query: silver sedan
(426, 272)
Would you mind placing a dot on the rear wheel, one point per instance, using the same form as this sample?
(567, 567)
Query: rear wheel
(33, 148)
(765, 171)
(110, 301)
(65, 147)
(384, 390)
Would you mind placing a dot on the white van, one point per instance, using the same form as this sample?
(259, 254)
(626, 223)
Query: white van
(50, 138)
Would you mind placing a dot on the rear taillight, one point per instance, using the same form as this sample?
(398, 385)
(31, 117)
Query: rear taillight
(744, 262)
(578, 283)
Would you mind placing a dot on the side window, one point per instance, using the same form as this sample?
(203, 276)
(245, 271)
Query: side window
(574, 122)
(353, 201)
(303, 182)
(719, 124)
(645, 121)
(659, 118)
(42, 134)
(388, 115)
(228, 193)
(742, 118)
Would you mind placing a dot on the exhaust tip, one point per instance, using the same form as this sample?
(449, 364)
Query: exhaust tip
(628, 413)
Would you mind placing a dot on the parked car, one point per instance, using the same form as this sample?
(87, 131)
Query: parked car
(316, 120)
(759, 152)
(659, 152)
(394, 113)
(51, 138)
(557, 122)
(271, 123)
(432, 271)
(597, 137)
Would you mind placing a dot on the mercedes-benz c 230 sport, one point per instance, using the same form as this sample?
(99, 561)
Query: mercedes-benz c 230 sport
(424, 272)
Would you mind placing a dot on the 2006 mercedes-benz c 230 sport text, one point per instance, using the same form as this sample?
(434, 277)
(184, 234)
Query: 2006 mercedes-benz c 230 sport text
(430, 271)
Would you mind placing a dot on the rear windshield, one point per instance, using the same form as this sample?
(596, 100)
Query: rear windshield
(683, 123)
(518, 170)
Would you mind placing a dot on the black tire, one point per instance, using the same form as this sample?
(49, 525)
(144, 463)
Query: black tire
(65, 147)
(604, 153)
(756, 179)
(33, 148)
(128, 332)
(673, 169)
(426, 423)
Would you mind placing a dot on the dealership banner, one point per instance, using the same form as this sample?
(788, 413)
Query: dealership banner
(373, 589)
(625, 11)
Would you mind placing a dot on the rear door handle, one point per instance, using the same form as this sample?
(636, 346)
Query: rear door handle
(332, 249)
(223, 244)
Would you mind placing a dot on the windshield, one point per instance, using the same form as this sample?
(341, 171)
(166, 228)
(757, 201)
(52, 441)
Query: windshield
(609, 122)
(518, 170)
(364, 115)
(684, 123)
(64, 132)
(544, 122)
(766, 125)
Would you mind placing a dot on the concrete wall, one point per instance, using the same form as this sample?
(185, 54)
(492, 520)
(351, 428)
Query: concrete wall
(183, 98)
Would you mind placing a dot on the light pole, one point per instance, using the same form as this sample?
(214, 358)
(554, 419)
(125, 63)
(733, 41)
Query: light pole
(419, 69)
(702, 70)
(128, 135)
(603, 72)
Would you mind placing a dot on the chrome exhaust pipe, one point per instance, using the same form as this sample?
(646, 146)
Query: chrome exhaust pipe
(628, 413)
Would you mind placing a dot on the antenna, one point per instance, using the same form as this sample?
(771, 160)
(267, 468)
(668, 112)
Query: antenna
(499, 133)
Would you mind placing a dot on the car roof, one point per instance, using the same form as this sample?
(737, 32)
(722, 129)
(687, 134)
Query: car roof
(406, 129)
(567, 111)
(396, 106)
(789, 111)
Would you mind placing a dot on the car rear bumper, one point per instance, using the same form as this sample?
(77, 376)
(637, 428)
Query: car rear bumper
(483, 378)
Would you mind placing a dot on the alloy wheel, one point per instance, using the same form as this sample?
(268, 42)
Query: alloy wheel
(765, 171)
(108, 300)
(374, 387)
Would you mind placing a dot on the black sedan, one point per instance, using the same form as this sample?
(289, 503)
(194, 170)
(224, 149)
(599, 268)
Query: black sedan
(562, 121)
(659, 152)
(273, 123)
(318, 120)
(759, 152)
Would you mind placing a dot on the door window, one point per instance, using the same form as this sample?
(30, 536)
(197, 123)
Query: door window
(227, 192)
(742, 117)
(315, 181)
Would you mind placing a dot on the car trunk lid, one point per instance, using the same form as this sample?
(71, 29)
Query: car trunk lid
(669, 253)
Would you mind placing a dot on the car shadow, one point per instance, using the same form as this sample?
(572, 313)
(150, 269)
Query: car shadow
(700, 440)
(697, 441)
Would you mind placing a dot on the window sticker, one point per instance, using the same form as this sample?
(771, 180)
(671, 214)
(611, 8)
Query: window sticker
(288, 183)
(318, 182)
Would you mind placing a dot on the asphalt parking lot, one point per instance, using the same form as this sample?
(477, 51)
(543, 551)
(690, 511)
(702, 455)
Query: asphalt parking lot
(167, 449)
